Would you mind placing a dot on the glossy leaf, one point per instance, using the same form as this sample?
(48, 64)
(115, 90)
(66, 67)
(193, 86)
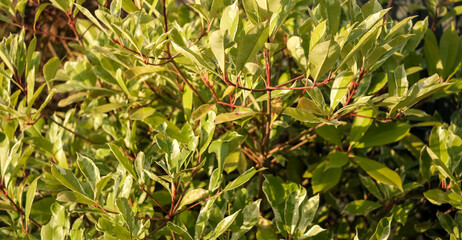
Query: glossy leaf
(361, 207)
(379, 172)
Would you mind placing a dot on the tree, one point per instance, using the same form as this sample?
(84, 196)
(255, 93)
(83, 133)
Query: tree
(229, 120)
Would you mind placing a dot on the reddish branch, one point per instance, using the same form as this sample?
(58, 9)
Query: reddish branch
(17, 208)
(278, 87)
(153, 199)
(353, 88)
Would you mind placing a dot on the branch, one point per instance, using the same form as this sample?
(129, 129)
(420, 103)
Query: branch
(153, 199)
(278, 87)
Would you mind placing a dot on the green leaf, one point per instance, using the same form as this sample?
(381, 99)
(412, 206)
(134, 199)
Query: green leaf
(246, 220)
(323, 57)
(279, 17)
(307, 213)
(294, 45)
(87, 14)
(449, 51)
(360, 125)
(243, 178)
(139, 71)
(292, 212)
(106, 108)
(230, 19)
(74, 197)
(51, 68)
(223, 225)
(215, 180)
(336, 159)
(329, 133)
(30, 195)
(250, 45)
(123, 160)
(192, 196)
(302, 115)
(89, 170)
(203, 218)
(201, 111)
(447, 223)
(202, 11)
(124, 207)
(67, 178)
(101, 184)
(340, 88)
(425, 163)
(321, 183)
(318, 33)
(313, 231)
(193, 56)
(379, 172)
(331, 9)
(436, 196)
(383, 230)
(45, 103)
(398, 84)
(187, 101)
(371, 186)
(220, 148)
(420, 90)
(360, 207)
(179, 230)
(63, 5)
(142, 113)
(384, 133)
(121, 82)
(217, 44)
(432, 54)
(237, 114)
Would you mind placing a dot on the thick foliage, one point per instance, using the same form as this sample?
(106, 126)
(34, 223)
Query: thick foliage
(221, 119)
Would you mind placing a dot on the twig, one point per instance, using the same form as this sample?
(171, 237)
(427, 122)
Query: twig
(157, 229)
(153, 199)
(69, 130)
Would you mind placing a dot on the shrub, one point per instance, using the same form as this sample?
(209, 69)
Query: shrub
(230, 120)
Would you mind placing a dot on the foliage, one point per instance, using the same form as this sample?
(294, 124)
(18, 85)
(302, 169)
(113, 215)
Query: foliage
(220, 119)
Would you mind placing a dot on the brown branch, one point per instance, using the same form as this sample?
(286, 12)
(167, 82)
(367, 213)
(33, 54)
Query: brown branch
(153, 199)
(16, 207)
(69, 130)
(151, 219)
(157, 229)
(269, 88)
(42, 33)
(181, 75)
